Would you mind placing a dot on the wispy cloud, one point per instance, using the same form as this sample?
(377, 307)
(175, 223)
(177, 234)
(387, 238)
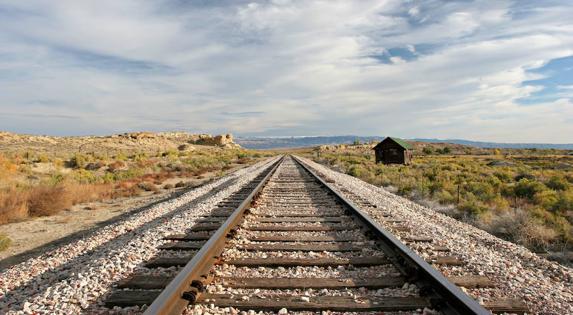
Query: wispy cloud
(462, 69)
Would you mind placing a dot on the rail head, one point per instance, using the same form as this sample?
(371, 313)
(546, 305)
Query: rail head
(452, 300)
(176, 296)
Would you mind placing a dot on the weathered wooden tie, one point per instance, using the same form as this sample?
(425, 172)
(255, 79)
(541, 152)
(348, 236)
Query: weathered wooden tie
(317, 303)
(447, 260)
(311, 283)
(301, 228)
(304, 219)
(304, 238)
(308, 247)
(319, 262)
(182, 246)
(196, 236)
(168, 261)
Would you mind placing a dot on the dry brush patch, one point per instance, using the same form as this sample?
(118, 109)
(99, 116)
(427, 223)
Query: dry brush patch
(524, 199)
(28, 190)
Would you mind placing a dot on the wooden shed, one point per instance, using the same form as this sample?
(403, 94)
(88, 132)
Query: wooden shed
(393, 151)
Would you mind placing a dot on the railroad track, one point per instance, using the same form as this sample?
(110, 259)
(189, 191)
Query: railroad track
(289, 242)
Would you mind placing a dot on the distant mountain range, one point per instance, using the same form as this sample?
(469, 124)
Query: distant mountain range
(310, 141)
(298, 142)
(501, 145)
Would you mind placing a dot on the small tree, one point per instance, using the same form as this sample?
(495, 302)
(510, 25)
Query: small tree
(428, 150)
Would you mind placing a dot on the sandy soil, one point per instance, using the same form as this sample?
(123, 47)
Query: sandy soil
(33, 237)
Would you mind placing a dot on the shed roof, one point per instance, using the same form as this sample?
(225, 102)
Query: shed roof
(399, 141)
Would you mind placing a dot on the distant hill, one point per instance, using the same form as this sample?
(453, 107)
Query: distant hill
(479, 144)
(298, 142)
(310, 141)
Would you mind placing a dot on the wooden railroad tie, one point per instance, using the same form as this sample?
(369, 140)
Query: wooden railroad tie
(317, 303)
(301, 228)
(447, 260)
(319, 262)
(333, 303)
(418, 239)
(303, 214)
(307, 247)
(304, 238)
(197, 236)
(305, 219)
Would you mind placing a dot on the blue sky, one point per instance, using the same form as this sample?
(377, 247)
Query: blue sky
(480, 70)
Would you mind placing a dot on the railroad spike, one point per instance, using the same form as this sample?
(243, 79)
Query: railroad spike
(190, 295)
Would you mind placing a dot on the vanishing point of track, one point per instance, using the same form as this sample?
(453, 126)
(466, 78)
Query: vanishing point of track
(286, 232)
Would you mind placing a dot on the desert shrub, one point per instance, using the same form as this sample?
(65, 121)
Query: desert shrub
(13, 205)
(482, 191)
(78, 161)
(356, 171)
(445, 197)
(557, 183)
(406, 186)
(88, 192)
(56, 179)
(503, 176)
(42, 158)
(140, 156)
(93, 166)
(500, 204)
(84, 176)
(7, 168)
(526, 188)
(5, 242)
(147, 186)
(48, 200)
(168, 186)
(471, 205)
(521, 176)
(171, 154)
(520, 227)
(242, 154)
(427, 150)
(563, 203)
(546, 198)
(121, 157)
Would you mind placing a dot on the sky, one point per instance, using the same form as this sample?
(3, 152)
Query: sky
(480, 70)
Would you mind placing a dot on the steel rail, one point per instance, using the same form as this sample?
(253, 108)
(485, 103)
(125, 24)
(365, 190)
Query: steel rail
(185, 287)
(444, 295)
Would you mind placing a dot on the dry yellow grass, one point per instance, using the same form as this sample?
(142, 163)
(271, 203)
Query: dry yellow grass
(17, 204)
(13, 205)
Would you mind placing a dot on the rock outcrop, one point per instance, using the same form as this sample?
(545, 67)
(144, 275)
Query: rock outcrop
(128, 142)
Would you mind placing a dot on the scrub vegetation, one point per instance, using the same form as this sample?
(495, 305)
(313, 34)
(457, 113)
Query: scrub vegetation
(39, 184)
(524, 196)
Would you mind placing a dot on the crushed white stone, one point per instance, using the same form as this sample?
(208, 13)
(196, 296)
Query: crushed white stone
(545, 286)
(74, 278)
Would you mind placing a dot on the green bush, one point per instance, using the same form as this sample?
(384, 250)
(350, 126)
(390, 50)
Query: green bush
(356, 171)
(557, 183)
(5, 242)
(78, 161)
(564, 202)
(527, 188)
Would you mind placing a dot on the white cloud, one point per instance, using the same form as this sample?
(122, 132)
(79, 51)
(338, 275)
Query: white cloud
(308, 67)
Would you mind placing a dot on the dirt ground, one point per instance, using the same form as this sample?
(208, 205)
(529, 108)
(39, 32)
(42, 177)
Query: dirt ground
(34, 236)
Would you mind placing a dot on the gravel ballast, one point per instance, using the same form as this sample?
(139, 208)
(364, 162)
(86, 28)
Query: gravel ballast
(74, 278)
(545, 286)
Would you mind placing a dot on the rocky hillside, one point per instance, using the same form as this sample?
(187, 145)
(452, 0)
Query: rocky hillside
(135, 141)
